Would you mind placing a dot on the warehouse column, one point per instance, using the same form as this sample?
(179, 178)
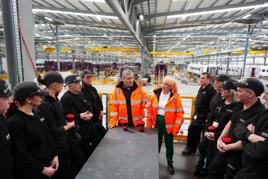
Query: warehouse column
(19, 40)
(26, 23)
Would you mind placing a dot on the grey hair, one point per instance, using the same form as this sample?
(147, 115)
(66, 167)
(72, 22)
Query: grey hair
(233, 95)
(126, 72)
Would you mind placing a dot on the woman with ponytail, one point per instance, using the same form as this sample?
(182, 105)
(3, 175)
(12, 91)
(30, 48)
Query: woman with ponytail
(70, 155)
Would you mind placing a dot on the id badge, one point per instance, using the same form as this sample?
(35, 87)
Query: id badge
(216, 124)
(195, 117)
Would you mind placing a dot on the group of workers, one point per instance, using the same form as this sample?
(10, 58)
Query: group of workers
(42, 136)
(231, 122)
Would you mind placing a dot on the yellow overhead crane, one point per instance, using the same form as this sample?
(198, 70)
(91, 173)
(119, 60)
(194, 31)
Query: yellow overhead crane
(62, 50)
(159, 54)
(172, 53)
(114, 49)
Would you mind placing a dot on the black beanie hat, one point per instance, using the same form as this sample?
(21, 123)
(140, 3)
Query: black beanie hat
(51, 77)
(5, 90)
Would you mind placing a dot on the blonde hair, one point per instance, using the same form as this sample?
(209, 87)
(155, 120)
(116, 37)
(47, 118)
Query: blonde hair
(233, 95)
(172, 83)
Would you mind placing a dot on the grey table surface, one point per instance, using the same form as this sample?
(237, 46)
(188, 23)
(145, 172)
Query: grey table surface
(124, 155)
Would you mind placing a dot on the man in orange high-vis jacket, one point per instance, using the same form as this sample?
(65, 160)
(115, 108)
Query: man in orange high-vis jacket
(165, 112)
(127, 102)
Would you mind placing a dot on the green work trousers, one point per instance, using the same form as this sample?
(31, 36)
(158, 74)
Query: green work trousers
(162, 131)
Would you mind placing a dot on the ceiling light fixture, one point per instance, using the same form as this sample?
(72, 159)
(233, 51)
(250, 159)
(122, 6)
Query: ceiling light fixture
(103, 1)
(246, 16)
(75, 13)
(141, 17)
(183, 15)
(48, 19)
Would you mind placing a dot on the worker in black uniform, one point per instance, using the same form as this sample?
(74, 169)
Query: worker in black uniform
(254, 136)
(5, 142)
(92, 95)
(228, 160)
(217, 98)
(219, 117)
(74, 102)
(69, 152)
(203, 98)
(33, 148)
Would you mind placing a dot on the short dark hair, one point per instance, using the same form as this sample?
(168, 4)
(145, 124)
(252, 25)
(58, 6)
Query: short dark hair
(207, 75)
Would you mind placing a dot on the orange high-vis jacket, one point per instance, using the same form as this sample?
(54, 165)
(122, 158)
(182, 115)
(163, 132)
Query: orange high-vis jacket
(173, 112)
(118, 106)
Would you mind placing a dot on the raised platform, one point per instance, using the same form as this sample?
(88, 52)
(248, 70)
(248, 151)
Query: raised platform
(122, 155)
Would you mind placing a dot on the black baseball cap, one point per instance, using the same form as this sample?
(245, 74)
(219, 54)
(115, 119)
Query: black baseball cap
(86, 73)
(222, 77)
(72, 79)
(5, 90)
(27, 89)
(229, 84)
(253, 84)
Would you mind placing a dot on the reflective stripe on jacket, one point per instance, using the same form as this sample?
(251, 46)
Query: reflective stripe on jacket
(173, 113)
(118, 106)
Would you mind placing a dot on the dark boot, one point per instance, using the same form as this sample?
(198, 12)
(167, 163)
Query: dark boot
(199, 167)
(170, 168)
(187, 151)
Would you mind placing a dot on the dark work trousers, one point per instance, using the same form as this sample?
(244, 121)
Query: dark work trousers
(64, 165)
(90, 138)
(162, 131)
(70, 161)
(211, 151)
(202, 147)
(194, 134)
(233, 164)
(76, 156)
(217, 167)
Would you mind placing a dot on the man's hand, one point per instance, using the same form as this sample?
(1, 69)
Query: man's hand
(55, 163)
(48, 171)
(101, 114)
(211, 136)
(86, 115)
(255, 138)
(69, 125)
(251, 128)
(220, 145)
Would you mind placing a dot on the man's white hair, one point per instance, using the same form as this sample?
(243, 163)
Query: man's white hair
(126, 72)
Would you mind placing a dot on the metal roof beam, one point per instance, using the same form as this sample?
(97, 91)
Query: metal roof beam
(195, 23)
(136, 2)
(208, 9)
(129, 18)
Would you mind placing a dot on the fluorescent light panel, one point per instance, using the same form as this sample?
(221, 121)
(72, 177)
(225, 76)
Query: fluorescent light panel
(75, 13)
(217, 11)
(103, 1)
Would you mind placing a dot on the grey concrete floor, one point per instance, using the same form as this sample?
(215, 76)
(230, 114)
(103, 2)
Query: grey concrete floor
(183, 165)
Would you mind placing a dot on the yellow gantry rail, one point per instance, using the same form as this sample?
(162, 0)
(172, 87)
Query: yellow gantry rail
(159, 54)
(114, 49)
(172, 53)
